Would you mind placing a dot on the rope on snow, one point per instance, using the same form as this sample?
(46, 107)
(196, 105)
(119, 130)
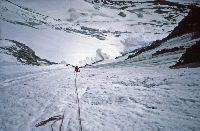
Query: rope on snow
(79, 109)
(61, 117)
(54, 119)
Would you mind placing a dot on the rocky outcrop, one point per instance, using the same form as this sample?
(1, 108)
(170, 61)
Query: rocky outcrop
(24, 54)
(153, 45)
(122, 14)
(190, 24)
(191, 58)
(163, 51)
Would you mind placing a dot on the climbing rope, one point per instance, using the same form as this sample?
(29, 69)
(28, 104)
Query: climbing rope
(61, 117)
(79, 109)
(54, 119)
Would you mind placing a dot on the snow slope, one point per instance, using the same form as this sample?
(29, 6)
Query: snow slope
(73, 30)
(118, 97)
(138, 94)
(51, 38)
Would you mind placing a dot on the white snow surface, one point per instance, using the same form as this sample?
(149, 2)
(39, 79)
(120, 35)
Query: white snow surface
(124, 97)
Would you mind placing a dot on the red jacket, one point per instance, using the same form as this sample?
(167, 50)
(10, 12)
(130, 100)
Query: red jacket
(77, 69)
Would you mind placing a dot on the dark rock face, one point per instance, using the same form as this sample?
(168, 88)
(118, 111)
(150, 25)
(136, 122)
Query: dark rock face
(153, 45)
(24, 54)
(192, 55)
(190, 24)
(163, 51)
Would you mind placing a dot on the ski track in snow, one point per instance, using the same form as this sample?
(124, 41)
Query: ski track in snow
(123, 98)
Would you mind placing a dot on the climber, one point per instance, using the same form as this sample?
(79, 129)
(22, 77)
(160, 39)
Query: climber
(77, 69)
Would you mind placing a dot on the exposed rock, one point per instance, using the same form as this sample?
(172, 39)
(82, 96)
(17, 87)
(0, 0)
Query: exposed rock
(163, 51)
(146, 48)
(24, 54)
(190, 24)
(191, 58)
(122, 14)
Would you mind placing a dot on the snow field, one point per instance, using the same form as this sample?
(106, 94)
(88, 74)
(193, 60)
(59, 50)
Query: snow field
(126, 97)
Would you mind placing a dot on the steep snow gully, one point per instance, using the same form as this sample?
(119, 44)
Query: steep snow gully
(136, 92)
(113, 98)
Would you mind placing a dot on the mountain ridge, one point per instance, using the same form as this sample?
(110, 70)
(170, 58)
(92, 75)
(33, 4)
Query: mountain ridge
(22, 53)
(190, 24)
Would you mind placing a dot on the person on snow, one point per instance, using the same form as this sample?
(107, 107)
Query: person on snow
(77, 69)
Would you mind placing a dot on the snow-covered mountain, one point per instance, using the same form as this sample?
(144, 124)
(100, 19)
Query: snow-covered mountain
(14, 52)
(74, 30)
(137, 91)
(170, 48)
